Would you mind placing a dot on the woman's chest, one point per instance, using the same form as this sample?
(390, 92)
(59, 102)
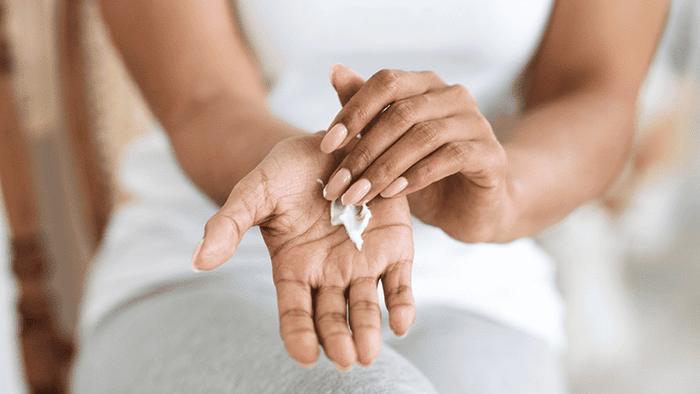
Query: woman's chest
(493, 30)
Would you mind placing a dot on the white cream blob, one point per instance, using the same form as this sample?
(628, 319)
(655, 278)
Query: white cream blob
(355, 222)
(350, 216)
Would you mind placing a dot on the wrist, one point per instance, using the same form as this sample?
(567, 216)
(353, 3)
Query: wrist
(220, 142)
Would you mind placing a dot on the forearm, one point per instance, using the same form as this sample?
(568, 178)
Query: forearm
(222, 140)
(563, 154)
(192, 66)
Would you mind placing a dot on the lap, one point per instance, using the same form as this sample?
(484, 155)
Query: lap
(206, 338)
(214, 334)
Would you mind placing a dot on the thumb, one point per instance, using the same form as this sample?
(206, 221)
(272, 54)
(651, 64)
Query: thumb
(245, 207)
(345, 81)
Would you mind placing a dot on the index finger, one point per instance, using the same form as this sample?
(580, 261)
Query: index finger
(382, 89)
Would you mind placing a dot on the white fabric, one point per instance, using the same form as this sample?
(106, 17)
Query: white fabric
(480, 44)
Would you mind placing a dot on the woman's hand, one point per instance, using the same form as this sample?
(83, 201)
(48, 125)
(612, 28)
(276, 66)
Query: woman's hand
(317, 270)
(423, 138)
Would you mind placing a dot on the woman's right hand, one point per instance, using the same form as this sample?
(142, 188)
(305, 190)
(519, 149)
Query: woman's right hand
(317, 270)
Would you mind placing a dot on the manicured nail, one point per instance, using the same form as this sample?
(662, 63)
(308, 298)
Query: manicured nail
(195, 255)
(356, 192)
(333, 138)
(395, 187)
(338, 182)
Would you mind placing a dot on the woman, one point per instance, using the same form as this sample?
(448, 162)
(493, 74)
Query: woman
(426, 150)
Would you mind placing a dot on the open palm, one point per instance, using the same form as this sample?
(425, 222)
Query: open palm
(318, 272)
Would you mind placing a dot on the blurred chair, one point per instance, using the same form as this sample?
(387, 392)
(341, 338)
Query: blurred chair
(46, 351)
(638, 218)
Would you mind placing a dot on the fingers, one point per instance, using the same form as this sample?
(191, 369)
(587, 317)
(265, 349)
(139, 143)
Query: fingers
(483, 166)
(365, 319)
(382, 89)
(297, 329)
(399, 297)
(332, 326)
(407, 132)
(427, 153)
(394, 123)
(245, 206)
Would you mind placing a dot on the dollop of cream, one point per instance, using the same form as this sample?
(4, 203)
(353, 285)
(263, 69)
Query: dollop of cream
(354, 219)
(350, 216)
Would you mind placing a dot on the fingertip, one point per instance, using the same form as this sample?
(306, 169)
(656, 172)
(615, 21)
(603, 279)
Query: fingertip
(307, 365)
(401, 336)
(401, 319)
(342, 353)
(334, 70)
(368, 349)
(306, 352)
(343, 368)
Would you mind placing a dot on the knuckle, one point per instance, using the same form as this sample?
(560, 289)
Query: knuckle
(383, 170)
(456, 152)
(425, 173)
(401, 114)
(495, 168)
(360, 158)
(427, 133)
(433, 75)
(397, 296)
(354, 115)
(331, 318)
(295, 313)
(463, 93)
(388, 79)
(364, 305)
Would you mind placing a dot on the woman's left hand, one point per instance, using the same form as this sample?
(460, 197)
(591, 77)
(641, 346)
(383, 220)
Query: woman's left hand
(422, 137)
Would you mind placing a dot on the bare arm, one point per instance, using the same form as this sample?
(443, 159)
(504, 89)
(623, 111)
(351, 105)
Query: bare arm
(195, 72)
(580, 108)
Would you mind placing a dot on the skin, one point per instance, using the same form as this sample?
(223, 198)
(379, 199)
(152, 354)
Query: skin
(573, 139)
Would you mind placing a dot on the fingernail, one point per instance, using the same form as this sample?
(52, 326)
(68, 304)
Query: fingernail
(341, 368)
(196, 254)
(333, 138)
(395, 187)
(338, 182)
(402, 336)
(356, 192)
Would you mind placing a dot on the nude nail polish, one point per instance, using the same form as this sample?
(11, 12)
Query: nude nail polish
(333, 138)
(356, 192)
(394, 187)
(338, 182)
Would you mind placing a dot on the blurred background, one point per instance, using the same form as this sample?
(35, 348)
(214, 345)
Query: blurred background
(628, 264)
